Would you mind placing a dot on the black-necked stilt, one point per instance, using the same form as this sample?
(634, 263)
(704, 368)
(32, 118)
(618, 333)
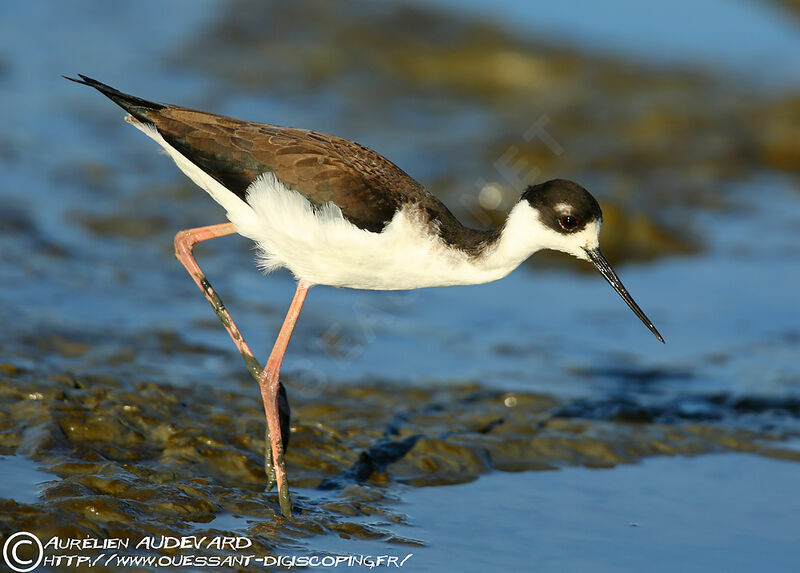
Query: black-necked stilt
(336, 213)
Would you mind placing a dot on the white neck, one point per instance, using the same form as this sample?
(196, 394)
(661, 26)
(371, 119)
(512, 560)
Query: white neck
(523, 234)
(520, 237)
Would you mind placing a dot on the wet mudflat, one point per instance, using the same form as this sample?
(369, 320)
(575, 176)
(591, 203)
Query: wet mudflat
(125, 412)
(150, 460)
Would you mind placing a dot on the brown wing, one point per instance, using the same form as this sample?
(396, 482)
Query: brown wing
(367, 187)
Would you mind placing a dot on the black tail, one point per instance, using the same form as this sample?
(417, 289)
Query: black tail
(135, 106)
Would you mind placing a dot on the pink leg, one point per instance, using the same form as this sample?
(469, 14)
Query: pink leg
(270, 386)
(275, 402)
(184, 243)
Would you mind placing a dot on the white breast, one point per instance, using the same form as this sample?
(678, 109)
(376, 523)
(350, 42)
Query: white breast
(322, 247)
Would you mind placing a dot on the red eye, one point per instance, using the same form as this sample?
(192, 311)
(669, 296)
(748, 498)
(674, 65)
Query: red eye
(568, 222)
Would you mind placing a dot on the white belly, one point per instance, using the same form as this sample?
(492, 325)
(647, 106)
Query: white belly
(322, 247)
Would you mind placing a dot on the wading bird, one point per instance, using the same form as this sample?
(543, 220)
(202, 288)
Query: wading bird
(336, 213)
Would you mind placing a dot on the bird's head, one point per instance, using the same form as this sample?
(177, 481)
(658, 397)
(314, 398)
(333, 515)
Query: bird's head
(565, 217)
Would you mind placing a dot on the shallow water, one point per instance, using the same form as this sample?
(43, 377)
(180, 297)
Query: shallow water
(708, 32)
(22, 479)
(696, 514)
(125, 410)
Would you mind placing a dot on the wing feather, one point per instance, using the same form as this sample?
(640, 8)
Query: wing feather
(366, 186)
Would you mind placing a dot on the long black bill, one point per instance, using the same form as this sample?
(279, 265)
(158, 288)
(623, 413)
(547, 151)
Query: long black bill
(599, 261)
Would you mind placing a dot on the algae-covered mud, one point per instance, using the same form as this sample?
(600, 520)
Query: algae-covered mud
(531, 423)
(149, 461)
